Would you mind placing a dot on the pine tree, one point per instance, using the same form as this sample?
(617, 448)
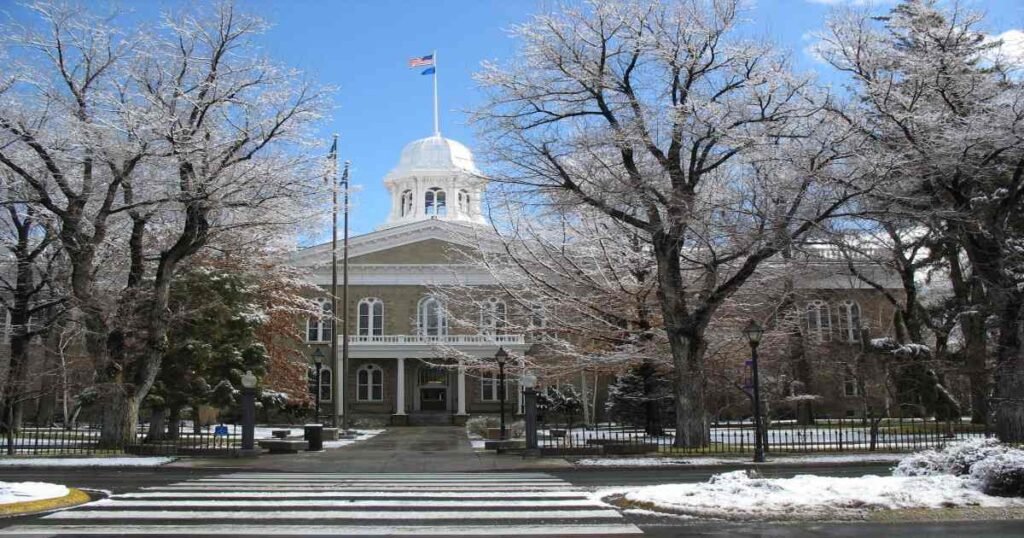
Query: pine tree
(642, 397)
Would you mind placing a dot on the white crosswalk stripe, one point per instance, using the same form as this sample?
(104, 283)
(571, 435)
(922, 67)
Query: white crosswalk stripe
(343, 504)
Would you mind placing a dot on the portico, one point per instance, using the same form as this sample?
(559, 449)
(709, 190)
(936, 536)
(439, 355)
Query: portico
(416, 378)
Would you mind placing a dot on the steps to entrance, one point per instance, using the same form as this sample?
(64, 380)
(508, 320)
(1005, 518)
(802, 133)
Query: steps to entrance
(430, 419)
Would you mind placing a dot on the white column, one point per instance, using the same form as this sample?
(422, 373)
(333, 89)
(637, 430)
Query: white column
(400, 388)
(462, 388)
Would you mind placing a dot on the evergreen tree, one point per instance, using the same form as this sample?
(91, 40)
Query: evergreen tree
(211, 344)
(642, 397)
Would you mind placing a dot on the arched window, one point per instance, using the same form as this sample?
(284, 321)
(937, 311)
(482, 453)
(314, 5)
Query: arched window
(406, 201)
(819, 323)
(371, 317)
(318, 328)
(435, 203)
(493, 316)
(431, 317)
(538, 316)
(464, 201)
(370, 383)
(849, 321)
(326, 383)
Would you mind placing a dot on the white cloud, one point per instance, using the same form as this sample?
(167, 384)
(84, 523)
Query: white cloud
(1012, 49)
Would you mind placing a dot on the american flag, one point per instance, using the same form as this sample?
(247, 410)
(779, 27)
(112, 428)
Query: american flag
(422, 61)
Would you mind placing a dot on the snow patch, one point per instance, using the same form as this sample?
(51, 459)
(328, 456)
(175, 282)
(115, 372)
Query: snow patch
(85, 462)
(736, 495)
(18, 492)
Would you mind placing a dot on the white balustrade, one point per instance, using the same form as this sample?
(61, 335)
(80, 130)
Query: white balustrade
(449, 340)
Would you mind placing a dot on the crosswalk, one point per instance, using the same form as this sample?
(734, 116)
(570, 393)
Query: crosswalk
(349, 504)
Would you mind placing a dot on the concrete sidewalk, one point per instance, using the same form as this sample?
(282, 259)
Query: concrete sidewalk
(407, 449)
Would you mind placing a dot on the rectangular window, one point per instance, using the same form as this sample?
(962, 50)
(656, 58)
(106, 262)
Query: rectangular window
(313, 331)
(489, 387)
(850, 388)
(364, 391)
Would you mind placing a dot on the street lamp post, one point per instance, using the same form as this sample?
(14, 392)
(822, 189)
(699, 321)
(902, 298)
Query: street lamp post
(501, 356)
(248, 412)
(318, 364)
(530, 403)
(753, 332)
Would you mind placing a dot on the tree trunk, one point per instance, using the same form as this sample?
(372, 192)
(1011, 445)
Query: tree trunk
(1008, 401)
(976, 355)
(692, 428)
(686, 343)
(174, 423)
(157, 425)
(119, 417)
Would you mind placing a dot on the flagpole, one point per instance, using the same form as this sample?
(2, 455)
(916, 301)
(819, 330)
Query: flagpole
(344, 300)
(337, 388)
(437, 125)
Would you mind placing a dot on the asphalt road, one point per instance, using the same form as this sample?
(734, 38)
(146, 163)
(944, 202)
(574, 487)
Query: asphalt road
(125, 480)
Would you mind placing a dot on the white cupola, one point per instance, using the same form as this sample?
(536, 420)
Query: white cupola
(435, 178)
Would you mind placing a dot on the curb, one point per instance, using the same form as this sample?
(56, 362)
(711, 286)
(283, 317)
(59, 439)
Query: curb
(74, 497)
(739, 465)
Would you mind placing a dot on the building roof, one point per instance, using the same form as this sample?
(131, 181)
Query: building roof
(433, 155)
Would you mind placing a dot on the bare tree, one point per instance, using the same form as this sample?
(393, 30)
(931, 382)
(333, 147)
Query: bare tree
(146, 149)
(31, 294)
(938, 102)
(659, 115)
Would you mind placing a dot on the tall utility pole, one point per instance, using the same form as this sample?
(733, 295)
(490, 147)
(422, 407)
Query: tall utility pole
(344, 304)
(336, 386)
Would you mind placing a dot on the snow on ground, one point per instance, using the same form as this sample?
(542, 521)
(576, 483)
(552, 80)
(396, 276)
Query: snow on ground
(656, 461)
(361, 435)
(736, 495)
(16, 492)
(86, 462)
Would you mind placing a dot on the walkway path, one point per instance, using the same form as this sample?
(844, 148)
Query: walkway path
(406, 449)
(350, 504)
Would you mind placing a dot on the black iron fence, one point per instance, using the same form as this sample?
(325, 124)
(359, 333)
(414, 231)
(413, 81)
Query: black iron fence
(84, 440)
(822, 435)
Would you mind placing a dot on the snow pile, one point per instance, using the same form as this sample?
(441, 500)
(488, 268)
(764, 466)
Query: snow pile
(86, 462)
(993, 468)
(17, 492)
(973, 473)
(737, 495)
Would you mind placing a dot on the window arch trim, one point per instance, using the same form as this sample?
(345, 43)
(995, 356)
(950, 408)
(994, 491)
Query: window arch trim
(370, 383)
(431, 317)
(370, 317)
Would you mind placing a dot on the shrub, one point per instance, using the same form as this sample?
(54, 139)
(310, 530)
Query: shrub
(1001, 474)
(479, 425)
(993, 468)
(955, 459)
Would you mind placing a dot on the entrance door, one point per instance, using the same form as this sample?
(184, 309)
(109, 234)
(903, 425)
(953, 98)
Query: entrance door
(433, 398)
(433, 388)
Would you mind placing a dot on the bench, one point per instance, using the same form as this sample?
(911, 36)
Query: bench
(283, 446)
(280, 434)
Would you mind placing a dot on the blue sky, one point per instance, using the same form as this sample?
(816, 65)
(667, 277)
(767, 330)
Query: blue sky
(362, 46)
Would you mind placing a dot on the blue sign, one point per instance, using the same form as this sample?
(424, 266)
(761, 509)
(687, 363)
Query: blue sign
(220, 431)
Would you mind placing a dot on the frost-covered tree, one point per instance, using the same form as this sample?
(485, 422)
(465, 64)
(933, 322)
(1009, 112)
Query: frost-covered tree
(145, 147)
(661, 116)
(940, 104)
